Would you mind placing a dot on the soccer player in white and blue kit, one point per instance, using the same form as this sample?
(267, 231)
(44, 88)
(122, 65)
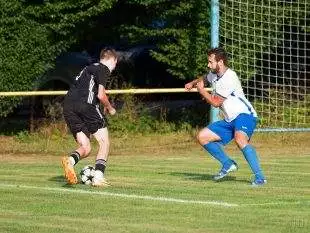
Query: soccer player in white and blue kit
(239, 116)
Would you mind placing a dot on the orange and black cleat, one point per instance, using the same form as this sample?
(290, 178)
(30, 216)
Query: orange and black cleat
(69, 171)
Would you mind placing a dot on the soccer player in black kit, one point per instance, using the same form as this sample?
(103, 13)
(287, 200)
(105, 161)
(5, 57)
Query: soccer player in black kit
(84, 117)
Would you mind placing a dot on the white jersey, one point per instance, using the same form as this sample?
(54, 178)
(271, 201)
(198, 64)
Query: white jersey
(229, 87)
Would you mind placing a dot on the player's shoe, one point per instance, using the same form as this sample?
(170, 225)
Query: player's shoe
(224, 172)
(99, 180)
(69, 170)
(259, 182)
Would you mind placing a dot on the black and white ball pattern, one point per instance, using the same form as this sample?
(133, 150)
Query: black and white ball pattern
(87, 174)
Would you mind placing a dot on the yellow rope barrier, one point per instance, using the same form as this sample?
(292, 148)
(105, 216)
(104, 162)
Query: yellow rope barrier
(126, 91)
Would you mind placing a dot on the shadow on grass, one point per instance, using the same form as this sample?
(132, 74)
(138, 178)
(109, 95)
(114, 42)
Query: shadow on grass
(58, 179)
(197, 176)
(61, 180)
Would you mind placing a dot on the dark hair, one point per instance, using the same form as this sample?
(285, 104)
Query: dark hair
(108, 53)
(219, 54)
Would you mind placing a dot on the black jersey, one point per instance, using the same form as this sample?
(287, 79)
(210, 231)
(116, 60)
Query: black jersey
(85, 86)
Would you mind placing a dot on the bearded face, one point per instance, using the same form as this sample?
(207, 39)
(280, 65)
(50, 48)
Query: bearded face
(213, 64)
(217, 68)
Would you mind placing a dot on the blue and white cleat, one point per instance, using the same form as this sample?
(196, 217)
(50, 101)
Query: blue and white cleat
(223, 172)
(259, 182)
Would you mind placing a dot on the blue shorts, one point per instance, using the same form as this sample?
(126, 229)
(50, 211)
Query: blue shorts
(226, 130)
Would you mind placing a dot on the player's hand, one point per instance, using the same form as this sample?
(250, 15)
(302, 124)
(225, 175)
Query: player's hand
(109, 110)
(189, 86)
(112, 111)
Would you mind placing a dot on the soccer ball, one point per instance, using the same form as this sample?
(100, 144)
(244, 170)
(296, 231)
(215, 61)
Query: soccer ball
(87, 174)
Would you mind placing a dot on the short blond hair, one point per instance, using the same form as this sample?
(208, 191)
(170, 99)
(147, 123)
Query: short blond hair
(107, 53)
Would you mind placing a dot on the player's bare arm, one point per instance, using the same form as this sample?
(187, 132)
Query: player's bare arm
(214, 100)
(192, 84)
(104, 100)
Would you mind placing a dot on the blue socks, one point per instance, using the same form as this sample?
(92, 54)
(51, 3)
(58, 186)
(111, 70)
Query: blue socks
(250, 155)
(249, 152)
(215, 149)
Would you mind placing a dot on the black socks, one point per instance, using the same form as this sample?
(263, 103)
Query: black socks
(100, 165)
(76, 156)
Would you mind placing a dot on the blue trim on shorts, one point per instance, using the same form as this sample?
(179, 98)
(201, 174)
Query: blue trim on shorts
(226, 130)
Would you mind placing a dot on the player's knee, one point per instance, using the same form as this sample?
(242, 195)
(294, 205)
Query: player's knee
(102, 137)
(241, 139)
(87, 148)
(202, 138)
(241, 142)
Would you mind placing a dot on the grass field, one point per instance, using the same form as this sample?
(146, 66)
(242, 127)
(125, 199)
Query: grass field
(160, 183)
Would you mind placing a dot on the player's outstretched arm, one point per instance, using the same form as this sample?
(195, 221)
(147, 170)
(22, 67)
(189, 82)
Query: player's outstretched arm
(104, 100)
(192, 84)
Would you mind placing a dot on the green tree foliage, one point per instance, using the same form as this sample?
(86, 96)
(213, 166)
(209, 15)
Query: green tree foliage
(33, 34)
(180, 29)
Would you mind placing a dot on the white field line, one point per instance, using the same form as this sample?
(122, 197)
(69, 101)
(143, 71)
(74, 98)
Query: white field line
(122, 195)
(151, 198)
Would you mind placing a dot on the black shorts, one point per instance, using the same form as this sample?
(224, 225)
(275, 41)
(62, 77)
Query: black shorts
(83, 117)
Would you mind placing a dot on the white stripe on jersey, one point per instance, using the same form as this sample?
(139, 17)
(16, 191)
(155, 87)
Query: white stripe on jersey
(91, 93)
(97, 108)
